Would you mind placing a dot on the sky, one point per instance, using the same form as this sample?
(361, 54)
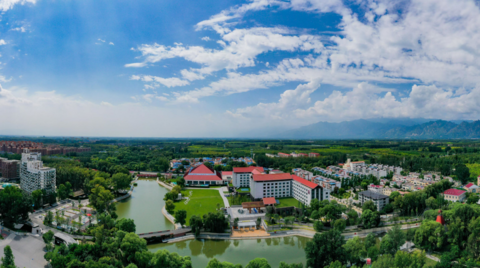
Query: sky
(231, 68)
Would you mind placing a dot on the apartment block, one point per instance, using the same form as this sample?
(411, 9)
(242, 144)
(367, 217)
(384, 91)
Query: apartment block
(35, 176)
(379, 200)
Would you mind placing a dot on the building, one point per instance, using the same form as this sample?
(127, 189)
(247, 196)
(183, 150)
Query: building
(202, 175)
(283, 155)
(284, 185)
(10, 169)
(379, 200)
(313, 155)
(227, 176)
(305, 191)
(454, 195)
(241, 175)
(303, 173)
(34, 176)
(472, 188)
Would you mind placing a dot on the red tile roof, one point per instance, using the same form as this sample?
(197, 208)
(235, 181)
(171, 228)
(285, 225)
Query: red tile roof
(226, 173)
(469, 185)
(247, 169)
(305, 182)
(269, 201)
(202, 173)
(272, 177)
(454, 192)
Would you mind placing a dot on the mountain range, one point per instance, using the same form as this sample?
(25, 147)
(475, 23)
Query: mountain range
(387, 128)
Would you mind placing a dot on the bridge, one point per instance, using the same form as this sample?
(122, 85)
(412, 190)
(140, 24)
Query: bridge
(155, 237)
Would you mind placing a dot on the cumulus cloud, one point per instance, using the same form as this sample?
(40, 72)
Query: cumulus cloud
(2, 42)
(8, 4)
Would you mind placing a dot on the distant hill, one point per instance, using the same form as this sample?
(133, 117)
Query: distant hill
(387, 128)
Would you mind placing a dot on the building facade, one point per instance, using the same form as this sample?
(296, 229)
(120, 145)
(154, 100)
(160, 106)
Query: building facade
(34, 176)
(241, 175)
(202, 175)
(379, 200)
(10, 169)
(454, 195)
(305, 191)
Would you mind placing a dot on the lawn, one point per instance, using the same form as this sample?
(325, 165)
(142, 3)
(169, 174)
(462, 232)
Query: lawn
(287, 202)
(201, 202)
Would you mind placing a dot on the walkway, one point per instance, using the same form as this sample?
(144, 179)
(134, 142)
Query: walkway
(164, 185)
(28, 250)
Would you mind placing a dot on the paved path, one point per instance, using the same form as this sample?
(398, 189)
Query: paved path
(164, 184)
(27, 250)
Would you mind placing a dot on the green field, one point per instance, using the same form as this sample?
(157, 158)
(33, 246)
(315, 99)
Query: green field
(287, 202)
(201, 202)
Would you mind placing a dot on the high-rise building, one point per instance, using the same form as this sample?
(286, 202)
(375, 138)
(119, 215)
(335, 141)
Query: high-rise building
(9, 168)
(33, 175)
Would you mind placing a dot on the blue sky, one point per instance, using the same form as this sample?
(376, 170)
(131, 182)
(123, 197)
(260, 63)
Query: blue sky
(228, 68)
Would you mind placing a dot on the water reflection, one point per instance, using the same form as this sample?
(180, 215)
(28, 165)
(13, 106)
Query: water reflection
(275, 250)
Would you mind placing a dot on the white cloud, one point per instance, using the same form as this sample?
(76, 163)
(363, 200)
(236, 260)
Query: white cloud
(206, 38)
(19, 29)
(8, 4)
(2, 42)
(168, 82)
(101, 40)
(104, 103)
(111, 43)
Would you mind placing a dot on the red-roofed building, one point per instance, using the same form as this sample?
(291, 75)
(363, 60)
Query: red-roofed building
(304, 191)
(283, 155)
(284, 185)
(202, 174)
(454, 195)
(227, 176)
(241, 175)
(313, 154)
(472, 188)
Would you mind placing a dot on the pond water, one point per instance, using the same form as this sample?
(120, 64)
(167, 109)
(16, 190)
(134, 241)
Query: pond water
(145, 207)
(275, 250)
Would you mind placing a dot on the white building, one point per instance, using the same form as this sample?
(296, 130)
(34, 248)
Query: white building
(241, 175)
(379, 200)
(34, 176)
(284, 185)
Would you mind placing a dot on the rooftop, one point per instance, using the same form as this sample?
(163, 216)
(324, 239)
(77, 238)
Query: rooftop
(305, 182)
(373, 195)
(269, 201)
(247, 169)
(455, 192)
(272, 177)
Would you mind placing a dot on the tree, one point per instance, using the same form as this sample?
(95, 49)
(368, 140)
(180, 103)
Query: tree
(340, 225)
(48, 218)
(100, 198)
(181, 217)
(196, 224)
(430, 235)
(318, 226)
(121, 181)
(169, 206)
(473, 199)
(370, 219)
(126, 225)
(352, 217)
(14, 206)
(214, 263)
(291, 265)
(258, 263)
(393, 195)
(473, 241)
(48, 237)
(8, 260)
(398, 238)
(181, 182)
(325, 248)
(62, 192)
(369, 205)
(384, 261)
(431, 202)
(130, 244)
(336, 264)
(315, 215)
(370, 241)
(355, 250)
(37, 198)
(462, 172)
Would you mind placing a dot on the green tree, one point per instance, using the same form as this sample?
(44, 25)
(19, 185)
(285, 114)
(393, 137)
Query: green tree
(397, 237)
(126, 225)
(369, 205)
(100, 198)
(352, 217)
(336, 264)
(325, 248)
(181, 182)
(169, 206)
(318, 226)
(370, 241)
(355, 249)
(48, 218)
(37, 198)
(181, 217)
(8, 260)
(48, 237)
(121, 181)
(290, 265)
(130, 244)
(196, 224)
(14, 206)
(430, 235)
(473, 241)
(258, 263)
(462, 172)
(473, 199)
(384, 261)
(370, 219)
(214, 263)
(62, 192)
(340, 225)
